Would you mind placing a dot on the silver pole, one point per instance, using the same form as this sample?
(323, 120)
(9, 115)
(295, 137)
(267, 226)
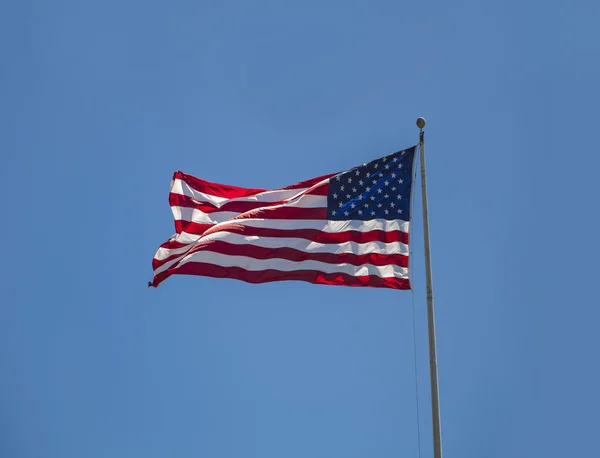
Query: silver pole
(433, 373)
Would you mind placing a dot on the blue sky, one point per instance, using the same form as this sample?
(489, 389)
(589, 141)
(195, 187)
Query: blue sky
(102, 101)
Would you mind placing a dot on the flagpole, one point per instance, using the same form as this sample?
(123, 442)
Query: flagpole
(433, 372)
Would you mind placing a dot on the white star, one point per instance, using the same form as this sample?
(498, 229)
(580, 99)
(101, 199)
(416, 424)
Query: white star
(376, 165)
(349, 179)
(374, 181)
(381, 175)
(400, 166)
(342, 187)
(347, 196)
(403, 153)
(393, 175)
(392, 204)
(352, 205)
(393, 188)
(337, 178)
(353, 189)
(386, 211)
(361, 182)
(372, 197)
(387, 166)
(368, 174)
(400, 210)
(384, 159)
(366, 205)
(399, 197)
(333, 212)
(360, 197)
(360, 212)
(386, 196)
(379, 191)
(346, 213)
(357, 172)
(372, 213)
(334, 195)
(387, 182)
(400, 181)
(341, 204)
(368, 188)
(395, 159)
(379, 205)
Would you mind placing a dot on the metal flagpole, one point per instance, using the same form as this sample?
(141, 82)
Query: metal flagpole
(433, 373)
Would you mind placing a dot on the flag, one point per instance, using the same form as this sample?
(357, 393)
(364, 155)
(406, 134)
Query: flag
(349, 228)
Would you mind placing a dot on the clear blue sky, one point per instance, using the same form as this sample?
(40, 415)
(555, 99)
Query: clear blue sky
(102, 101)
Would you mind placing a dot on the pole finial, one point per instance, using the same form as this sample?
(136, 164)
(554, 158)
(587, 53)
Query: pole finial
(420, 123)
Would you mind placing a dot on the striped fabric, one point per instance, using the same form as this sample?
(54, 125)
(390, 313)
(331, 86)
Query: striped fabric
(347, 229)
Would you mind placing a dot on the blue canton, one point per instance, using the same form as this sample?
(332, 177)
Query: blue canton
(378, 189)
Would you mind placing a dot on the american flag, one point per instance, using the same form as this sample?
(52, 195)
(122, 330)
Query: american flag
(349, 228)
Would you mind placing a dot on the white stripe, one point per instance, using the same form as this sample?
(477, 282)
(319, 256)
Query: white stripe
(167, 265)
(198, 216)
(252, 264)
(181, 187)
(164, 253)
(295, 243)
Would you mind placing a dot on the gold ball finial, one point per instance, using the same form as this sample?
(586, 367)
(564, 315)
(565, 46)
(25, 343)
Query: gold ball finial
(420, 123)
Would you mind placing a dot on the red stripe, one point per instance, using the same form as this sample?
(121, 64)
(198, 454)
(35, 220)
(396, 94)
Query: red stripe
(174, 244)
(216, 189)
(322, 190)
(309, 234)
(290, 254)
(264, 276)
(178, 200)
(192, 228)
(230, 192)
(284, 212)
